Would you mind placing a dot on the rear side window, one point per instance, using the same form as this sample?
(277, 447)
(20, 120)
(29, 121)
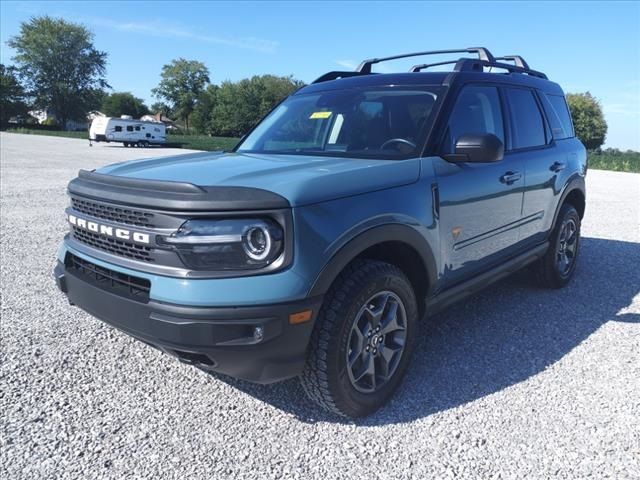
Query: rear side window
(477, 111)
(558, 116)
(527, 125)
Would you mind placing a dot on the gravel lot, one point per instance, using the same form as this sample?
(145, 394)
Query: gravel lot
(516, 382)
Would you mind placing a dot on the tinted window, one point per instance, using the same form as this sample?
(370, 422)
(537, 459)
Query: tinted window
(378, 122)
(129, 128)
(559, 116)
(526, 121)
(477, 111)
(137, 128)
(118, 128)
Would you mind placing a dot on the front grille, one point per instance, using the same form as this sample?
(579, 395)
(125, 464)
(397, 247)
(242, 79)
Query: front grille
(117, 214)
(114, 282)
(112, 245)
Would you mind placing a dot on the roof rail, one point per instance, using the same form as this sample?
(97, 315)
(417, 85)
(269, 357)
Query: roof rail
(473, 65)
(485, 59)
(483, 54)
(424, 66)
(516, 59)
(335, 75)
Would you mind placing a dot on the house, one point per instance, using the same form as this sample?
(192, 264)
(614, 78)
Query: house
(160, 118)
(47, 116)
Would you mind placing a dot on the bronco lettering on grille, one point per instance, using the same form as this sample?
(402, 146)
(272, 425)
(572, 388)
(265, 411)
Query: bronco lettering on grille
(119, 233)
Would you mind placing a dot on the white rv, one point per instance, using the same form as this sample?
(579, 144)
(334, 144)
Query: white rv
(132, 133)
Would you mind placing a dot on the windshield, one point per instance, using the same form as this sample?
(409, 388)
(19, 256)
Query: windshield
(375, 122)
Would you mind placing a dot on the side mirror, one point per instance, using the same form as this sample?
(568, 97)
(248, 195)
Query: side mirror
(477, 148)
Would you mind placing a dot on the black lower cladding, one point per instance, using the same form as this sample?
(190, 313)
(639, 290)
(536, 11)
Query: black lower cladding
(252, 343)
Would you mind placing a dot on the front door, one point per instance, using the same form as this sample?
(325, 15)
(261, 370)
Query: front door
(480, 203)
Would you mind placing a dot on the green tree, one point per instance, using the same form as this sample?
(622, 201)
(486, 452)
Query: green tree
(239, 106)
(12, 95)
(201, 117)
(61, 67)
(182, 81)
(161, 107)
(123, 103)
(588, 119)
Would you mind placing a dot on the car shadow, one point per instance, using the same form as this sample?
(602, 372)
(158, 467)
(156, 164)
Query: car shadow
(506, 334)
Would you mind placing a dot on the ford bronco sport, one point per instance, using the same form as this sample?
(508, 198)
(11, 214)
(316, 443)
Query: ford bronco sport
(359, 204)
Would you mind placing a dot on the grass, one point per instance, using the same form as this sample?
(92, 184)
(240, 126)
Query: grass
(616, 161)
(202, 142)
(609, 159)
(192, 142)
(50, 133)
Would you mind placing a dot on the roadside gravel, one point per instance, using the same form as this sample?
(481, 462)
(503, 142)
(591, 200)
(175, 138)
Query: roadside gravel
(516, 382)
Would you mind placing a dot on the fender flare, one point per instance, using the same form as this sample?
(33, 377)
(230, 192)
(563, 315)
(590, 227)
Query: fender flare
(370, 237)
(574, 183)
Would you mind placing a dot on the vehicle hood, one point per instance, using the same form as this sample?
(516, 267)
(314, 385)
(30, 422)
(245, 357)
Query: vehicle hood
(301, 179)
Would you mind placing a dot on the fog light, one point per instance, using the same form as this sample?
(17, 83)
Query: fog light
(258, 333)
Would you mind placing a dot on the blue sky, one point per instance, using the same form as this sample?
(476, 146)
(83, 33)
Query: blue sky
(592, 46)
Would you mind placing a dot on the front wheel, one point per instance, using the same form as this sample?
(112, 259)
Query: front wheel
(362, 340)
(556, 268)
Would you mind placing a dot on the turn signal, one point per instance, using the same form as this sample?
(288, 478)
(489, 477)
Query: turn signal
(300, 317)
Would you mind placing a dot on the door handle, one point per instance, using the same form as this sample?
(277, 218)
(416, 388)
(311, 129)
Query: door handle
(510, 177)
(557, 166)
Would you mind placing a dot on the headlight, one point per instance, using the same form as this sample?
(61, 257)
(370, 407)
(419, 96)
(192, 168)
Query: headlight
(228, 244)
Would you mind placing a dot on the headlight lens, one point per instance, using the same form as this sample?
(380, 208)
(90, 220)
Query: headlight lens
(228, 244)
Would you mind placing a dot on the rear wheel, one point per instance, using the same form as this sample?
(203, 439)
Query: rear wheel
(362, 340)
(556, 268)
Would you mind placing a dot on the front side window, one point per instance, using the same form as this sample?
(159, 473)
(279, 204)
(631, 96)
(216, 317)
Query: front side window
(372, 123)
(526, 120)
(476, 111)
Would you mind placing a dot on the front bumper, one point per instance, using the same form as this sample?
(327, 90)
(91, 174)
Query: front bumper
(254, 343)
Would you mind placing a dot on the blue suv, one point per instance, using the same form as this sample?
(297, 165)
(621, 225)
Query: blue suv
(359, 205)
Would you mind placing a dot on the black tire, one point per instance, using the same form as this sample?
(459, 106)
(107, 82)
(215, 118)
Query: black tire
(551, 270)
(145, 144)
(126, 144)
(327, 378)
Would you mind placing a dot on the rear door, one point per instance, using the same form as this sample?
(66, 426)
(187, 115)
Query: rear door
(480, 203)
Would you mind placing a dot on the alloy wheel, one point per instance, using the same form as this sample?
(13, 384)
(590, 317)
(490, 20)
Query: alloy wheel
(376, 342)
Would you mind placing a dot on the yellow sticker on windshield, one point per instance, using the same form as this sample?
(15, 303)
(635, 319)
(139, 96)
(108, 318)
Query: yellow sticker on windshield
(320, 115)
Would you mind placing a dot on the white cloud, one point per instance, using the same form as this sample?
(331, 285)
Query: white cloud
(160, 29)
(621, 109)
(350, 64)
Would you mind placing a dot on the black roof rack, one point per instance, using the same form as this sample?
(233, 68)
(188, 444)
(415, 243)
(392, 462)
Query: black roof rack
(516, 59)
(335, 75)
(424, 66)
(483, 54)
(485, 59)
(473, 65)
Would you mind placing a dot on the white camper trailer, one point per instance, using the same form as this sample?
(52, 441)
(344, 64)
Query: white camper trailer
(133, 133)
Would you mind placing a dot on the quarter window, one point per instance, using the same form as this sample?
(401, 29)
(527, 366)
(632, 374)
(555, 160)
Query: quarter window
(527, 125)
(559, 116)
(477, 111)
